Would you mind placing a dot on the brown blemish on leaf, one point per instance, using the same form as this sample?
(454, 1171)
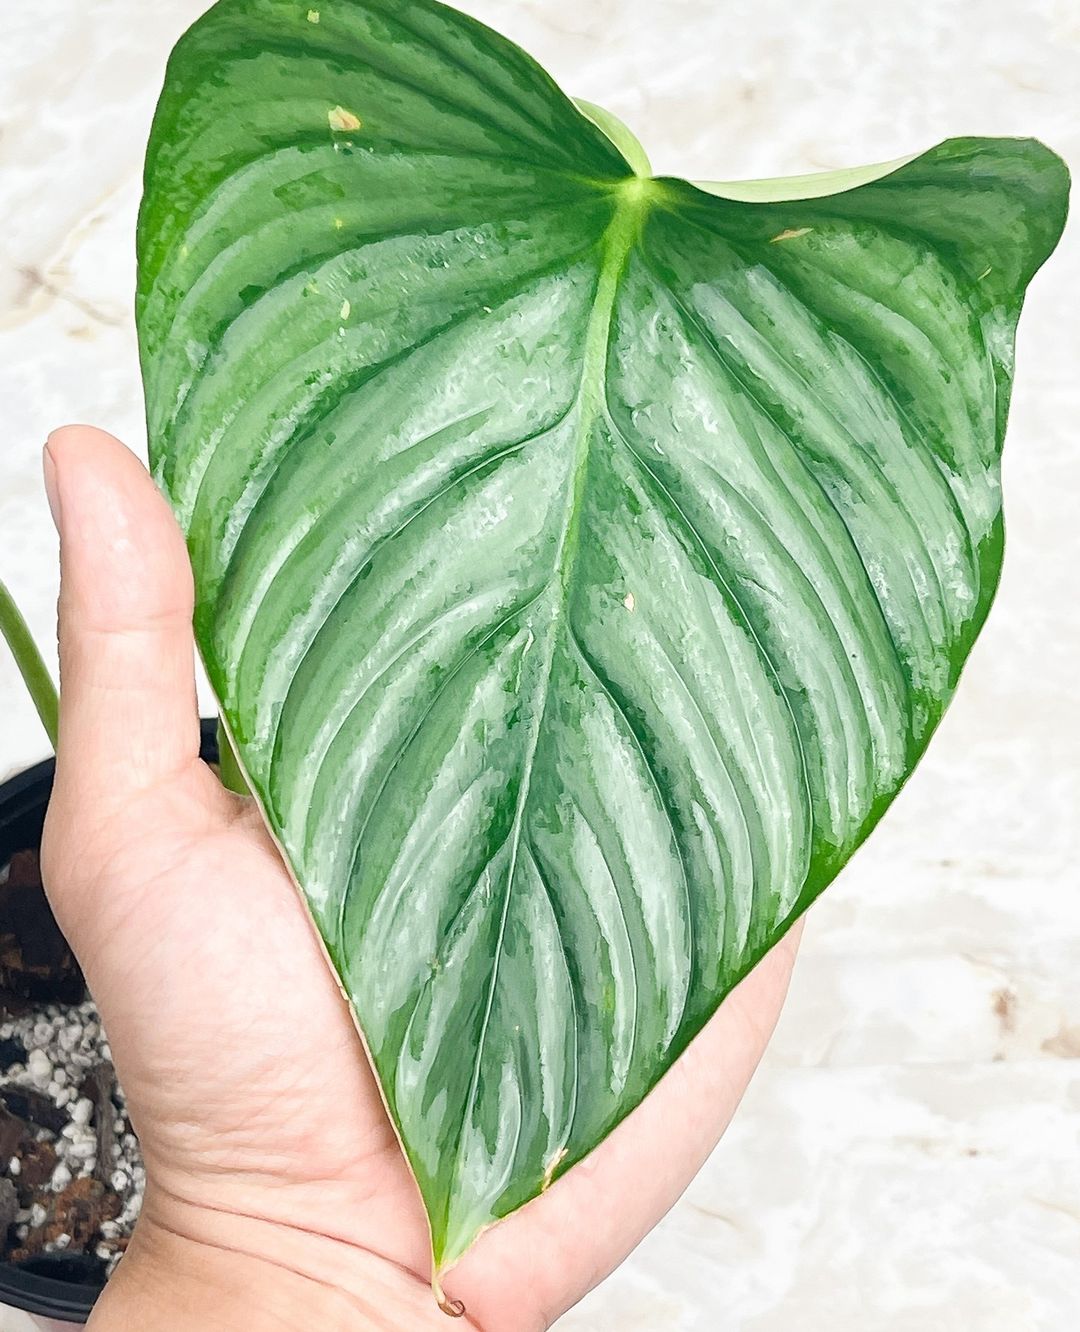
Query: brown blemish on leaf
(342, 121)
(793, 234)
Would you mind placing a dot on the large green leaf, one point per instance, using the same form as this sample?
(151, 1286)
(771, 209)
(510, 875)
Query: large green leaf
(583, 560)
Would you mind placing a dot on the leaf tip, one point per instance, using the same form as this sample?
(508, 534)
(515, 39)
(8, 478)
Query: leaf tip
(452, 1308)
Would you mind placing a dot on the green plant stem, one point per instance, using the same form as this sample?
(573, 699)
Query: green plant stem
(232, 776)
(31, 664)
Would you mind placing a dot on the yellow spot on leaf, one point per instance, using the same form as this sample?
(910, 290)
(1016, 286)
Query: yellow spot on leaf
(793, 234)
(313, 16)
(342, 121)
(346, 309)
(631, 602)
(339, 222)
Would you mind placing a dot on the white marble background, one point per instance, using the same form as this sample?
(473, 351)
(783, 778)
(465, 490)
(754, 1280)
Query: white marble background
(909, 1158)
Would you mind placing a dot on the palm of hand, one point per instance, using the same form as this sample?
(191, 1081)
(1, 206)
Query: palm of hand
(247, 1083)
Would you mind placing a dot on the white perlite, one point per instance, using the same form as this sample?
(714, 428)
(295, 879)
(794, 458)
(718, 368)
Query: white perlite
(63, 1045)
(38, 1064)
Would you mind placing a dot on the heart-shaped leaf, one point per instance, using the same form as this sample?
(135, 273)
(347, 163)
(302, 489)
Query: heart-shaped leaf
(583, 560)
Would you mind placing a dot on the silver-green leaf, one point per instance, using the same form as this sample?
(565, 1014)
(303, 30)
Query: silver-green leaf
(583, 559)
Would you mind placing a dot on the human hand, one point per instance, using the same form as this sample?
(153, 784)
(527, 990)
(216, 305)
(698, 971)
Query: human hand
(277, 1191)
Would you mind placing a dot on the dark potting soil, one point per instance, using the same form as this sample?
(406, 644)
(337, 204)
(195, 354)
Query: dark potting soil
(71, 1175)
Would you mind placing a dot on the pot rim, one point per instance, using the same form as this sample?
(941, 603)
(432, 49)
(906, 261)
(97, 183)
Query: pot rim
(26, 796)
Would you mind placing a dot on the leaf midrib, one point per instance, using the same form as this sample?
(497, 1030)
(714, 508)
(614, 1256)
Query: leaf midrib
(635, 196)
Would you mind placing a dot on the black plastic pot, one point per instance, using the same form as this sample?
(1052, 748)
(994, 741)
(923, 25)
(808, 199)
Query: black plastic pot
(54, 1285)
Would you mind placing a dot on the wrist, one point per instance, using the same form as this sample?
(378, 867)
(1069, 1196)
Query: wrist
(193, 1271)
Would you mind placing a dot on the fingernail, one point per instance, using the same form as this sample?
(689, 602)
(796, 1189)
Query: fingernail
(52, 489)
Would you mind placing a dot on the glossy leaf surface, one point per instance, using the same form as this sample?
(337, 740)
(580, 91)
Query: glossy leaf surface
(583, 560)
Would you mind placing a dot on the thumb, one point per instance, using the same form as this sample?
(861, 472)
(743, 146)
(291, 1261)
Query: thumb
(128, 711)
